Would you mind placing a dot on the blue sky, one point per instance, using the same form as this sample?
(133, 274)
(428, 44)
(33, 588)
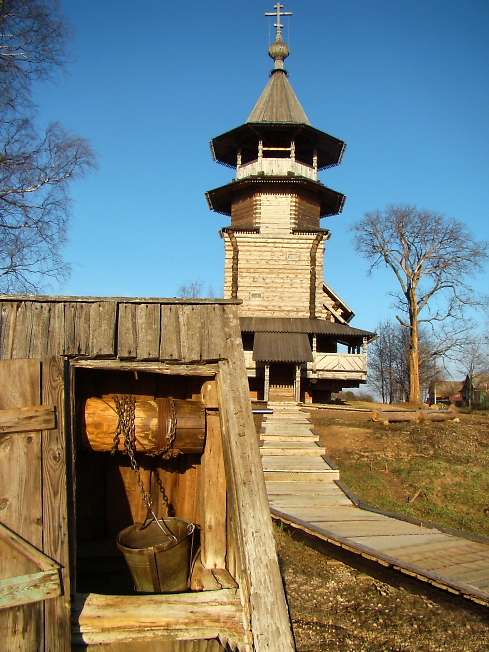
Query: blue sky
(404, 83)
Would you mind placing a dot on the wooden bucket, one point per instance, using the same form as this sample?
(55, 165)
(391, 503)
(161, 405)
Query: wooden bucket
(159, 561)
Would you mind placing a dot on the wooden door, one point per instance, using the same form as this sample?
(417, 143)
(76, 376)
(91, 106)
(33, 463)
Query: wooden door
(34, 557)
(281, 382)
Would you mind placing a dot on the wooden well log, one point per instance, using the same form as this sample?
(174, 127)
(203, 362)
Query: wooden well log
(152, 425)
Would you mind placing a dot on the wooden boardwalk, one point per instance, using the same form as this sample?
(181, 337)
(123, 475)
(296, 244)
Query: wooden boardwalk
(304, 491)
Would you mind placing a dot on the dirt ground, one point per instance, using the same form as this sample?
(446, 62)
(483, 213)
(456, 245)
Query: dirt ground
(335, 606)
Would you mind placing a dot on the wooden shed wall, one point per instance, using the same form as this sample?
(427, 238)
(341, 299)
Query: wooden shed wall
(145, 330)
(140, 331)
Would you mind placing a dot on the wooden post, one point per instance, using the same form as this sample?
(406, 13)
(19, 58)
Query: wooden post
(262, 592)
(297, 383)
(213, 507)
(55, 509)
(266, 389)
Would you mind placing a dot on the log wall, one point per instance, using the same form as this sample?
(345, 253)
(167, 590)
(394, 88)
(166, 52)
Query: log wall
(274, 273)
(275, 212)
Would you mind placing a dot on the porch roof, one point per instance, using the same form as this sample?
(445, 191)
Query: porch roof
(282, 347)
(302, 325)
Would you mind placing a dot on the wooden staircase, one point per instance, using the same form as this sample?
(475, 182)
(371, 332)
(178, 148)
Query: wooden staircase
(304, 492)
(290, 450)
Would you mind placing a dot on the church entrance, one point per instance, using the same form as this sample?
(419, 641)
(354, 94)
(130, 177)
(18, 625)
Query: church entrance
(281, 382)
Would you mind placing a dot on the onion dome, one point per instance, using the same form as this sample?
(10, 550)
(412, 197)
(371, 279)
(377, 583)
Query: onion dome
(279, 51)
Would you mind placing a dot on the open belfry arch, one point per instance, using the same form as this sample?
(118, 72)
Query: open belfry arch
(274, 246)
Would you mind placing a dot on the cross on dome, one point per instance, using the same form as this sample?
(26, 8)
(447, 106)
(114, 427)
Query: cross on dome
(278, 14)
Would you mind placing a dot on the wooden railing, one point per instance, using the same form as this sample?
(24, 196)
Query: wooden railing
(335, 362)
(356, 362)
(277, 167)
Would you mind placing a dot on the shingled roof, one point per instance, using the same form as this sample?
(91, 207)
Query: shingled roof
(278, 103)
(302, 325)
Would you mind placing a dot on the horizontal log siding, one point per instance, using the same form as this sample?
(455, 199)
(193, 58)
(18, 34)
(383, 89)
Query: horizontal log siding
(275, 213)
(112, 329)
(228, 266)
(277, 268)
(306, 212)
(245, 212)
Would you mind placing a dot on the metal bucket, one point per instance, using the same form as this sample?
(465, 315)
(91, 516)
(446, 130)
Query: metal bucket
(159, 561)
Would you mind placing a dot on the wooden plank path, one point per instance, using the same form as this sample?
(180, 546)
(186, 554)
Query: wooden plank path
(304, 491)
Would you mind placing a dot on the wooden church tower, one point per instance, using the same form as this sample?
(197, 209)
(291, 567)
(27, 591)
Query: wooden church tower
(274, 247)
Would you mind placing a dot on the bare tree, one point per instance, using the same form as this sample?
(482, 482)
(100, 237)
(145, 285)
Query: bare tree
(191, 289)
(431, 256)
(473, 363)
(35, 168)
(389, 361)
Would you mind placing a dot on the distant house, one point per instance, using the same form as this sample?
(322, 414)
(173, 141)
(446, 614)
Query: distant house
(475, 391)
(447, 391)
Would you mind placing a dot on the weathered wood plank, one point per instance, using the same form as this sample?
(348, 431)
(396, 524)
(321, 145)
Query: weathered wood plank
(156, 367)
(170, 344)
(303, 489)
(213, 341)
(248, 501)
(202, 578)
(148, 322)
(386, 528)
(190, 335)
(20, 480)
(127, 344)
(306, 502)
(25, 589)
(8, 316)
(77, 328)
(209, 394)
(202, 645)
(224, 578)
(28, 419)
(102, 328)
(100, 619)
(18, 557)
(56, 334)
(391, 545)
(22, 627)
(40, 333)
(213, 492)
(293, 463)
(23, 331)
(54, 505)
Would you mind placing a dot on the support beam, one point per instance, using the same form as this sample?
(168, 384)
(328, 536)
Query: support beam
(297, 384)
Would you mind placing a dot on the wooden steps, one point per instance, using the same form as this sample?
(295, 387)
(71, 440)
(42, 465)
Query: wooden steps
(289, 449)
(292, 448)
